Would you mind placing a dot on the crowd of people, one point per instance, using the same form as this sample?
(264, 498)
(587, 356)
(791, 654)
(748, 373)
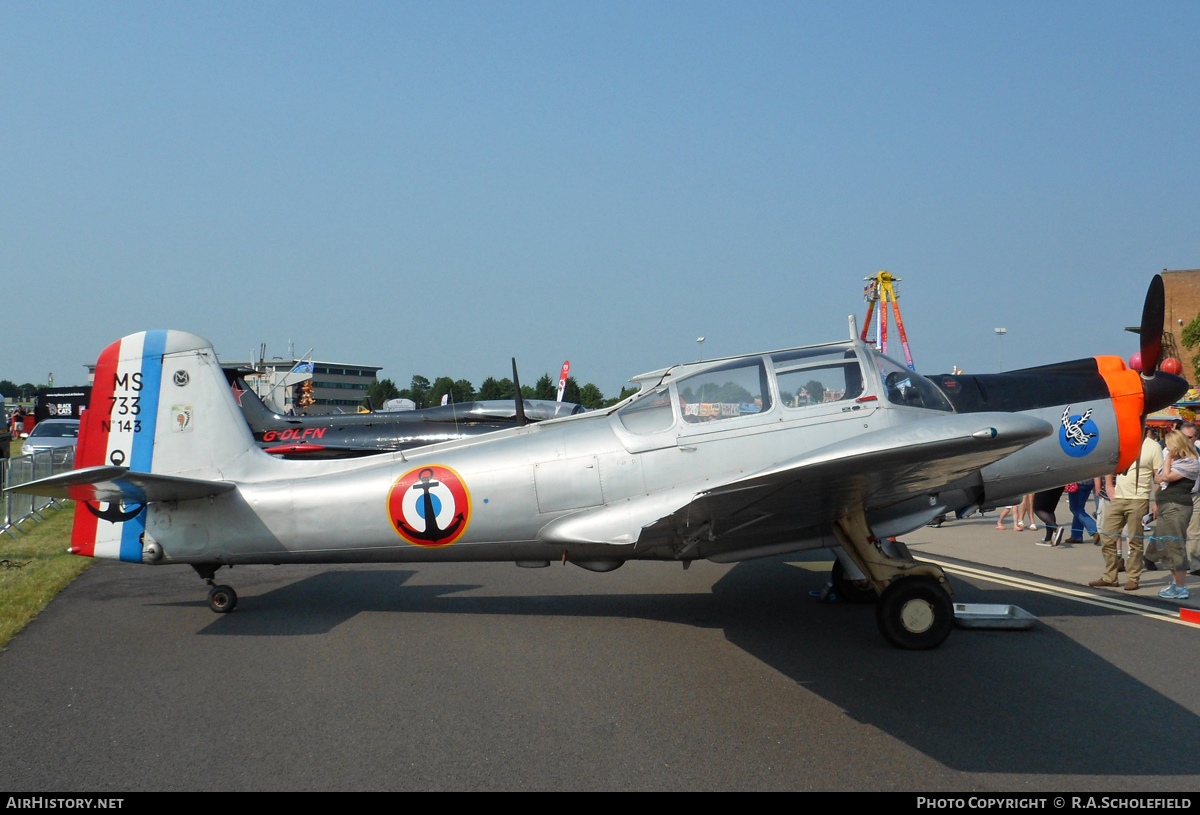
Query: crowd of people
(1146, 518)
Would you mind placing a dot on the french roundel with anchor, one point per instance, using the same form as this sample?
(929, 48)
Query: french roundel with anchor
(429, 506)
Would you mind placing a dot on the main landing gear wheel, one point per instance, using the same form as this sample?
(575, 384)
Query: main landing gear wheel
(222, 599)
(856, 591)
(915, 613)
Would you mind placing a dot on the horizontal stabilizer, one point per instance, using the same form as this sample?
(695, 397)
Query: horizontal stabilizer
(108, 483)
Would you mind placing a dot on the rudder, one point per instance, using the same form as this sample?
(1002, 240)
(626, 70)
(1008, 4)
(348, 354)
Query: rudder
(160, 404)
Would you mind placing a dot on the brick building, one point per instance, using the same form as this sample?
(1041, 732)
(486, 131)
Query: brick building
(1182, 289)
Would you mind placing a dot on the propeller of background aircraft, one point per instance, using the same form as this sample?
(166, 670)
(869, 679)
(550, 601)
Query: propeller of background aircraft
(519, 400)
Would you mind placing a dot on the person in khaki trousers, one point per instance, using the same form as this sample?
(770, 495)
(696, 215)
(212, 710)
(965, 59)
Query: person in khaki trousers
(1128, 504)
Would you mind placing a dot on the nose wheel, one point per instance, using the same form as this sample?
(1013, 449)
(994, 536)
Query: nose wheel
(221, 599)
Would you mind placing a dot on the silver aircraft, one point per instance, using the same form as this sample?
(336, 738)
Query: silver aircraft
(828, 446)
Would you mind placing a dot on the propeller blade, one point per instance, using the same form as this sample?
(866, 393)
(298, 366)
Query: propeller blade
(1159, 389)
(1153, 314)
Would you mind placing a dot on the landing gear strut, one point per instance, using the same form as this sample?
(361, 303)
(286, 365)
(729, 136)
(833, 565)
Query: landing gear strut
(221, 599)
(915, 611)
(856, 591)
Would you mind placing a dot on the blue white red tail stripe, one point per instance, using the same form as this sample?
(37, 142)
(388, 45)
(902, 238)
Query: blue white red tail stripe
(118, 428)
(93, 442)
(160, 406)
(153, 348)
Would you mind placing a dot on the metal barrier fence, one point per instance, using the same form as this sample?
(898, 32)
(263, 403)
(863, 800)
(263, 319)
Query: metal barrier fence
(20, 508)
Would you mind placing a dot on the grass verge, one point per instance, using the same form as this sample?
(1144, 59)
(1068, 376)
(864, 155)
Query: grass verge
(48, 569)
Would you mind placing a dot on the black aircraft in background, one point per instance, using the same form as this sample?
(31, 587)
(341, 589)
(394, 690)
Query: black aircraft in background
(344, 435)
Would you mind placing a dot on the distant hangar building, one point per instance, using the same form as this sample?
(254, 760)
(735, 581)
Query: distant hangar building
(336, 386)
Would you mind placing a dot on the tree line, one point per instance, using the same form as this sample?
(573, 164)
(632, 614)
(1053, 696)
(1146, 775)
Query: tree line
(425, 393)
(11, 390)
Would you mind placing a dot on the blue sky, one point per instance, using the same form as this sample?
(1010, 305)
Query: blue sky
(436, 187)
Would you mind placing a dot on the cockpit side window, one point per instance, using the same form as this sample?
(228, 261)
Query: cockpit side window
(733, 390)
(909, 388)
(806, 378)
(649, 413)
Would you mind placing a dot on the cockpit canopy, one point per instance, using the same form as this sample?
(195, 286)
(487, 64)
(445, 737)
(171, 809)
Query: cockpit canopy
(804, 380)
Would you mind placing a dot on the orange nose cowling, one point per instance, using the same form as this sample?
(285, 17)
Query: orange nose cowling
(1125, 388)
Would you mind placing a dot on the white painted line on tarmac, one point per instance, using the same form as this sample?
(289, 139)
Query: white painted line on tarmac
(1110, 603)
(812, 565)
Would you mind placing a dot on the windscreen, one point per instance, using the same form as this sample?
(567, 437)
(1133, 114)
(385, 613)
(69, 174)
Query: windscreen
(56, 430)
(909, 388)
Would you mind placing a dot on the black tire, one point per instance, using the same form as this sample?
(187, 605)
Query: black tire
(222, 599)
(855, 591)
(915, 613)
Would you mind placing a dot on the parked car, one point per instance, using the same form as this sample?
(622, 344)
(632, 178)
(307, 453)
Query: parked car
(50, 434)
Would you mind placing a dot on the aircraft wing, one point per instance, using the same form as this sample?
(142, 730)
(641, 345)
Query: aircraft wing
(878, 469)
(108, 484)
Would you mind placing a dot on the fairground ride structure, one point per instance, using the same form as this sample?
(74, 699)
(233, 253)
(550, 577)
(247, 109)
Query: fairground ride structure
(879, 290)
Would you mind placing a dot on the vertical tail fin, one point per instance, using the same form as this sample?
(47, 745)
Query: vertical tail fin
(160, 404)
(255, 411)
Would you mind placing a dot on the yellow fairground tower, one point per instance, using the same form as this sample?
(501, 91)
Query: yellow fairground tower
(879, 289)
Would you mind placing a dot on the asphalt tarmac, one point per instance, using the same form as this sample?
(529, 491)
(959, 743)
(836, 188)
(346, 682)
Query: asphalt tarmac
(651, 677)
